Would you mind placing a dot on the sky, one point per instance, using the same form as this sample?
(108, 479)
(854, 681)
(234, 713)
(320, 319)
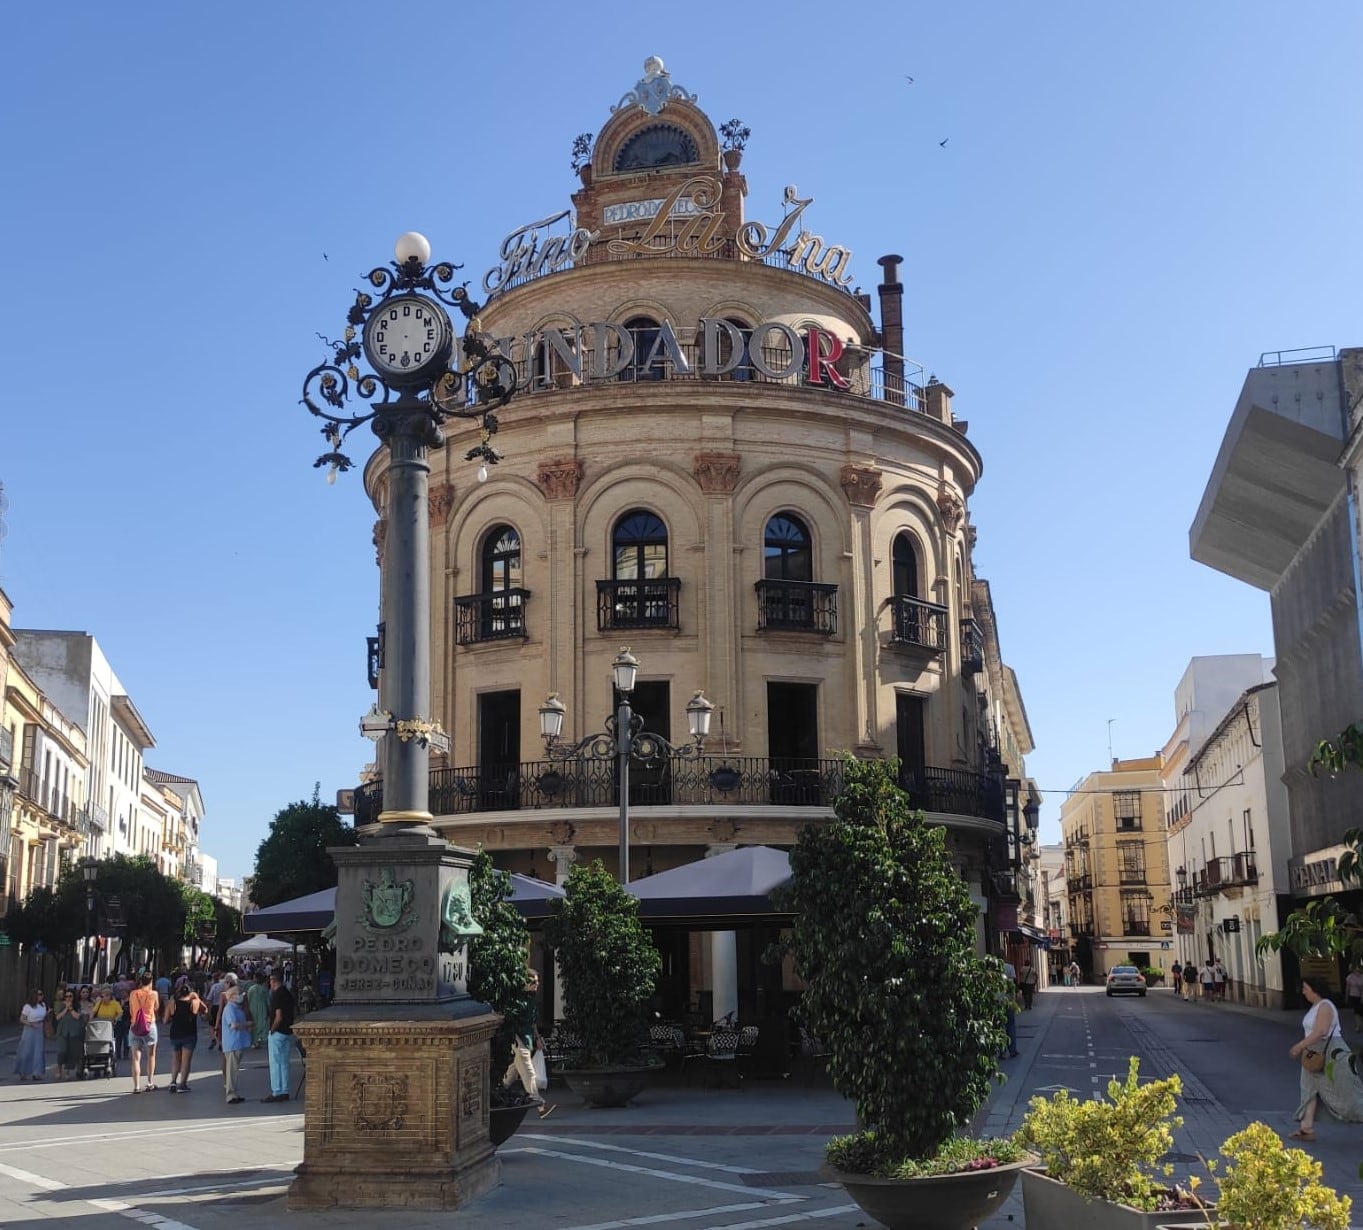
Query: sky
(1107, 214)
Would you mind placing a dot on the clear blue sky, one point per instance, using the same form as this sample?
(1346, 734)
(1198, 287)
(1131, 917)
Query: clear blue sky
(1134, 201)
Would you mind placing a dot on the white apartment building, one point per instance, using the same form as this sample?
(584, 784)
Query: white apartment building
(72, 670)
(1227, 818)
(179, 839)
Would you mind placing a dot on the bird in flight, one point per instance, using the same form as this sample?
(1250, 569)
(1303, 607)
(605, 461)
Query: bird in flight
(908, 78)
(943, 142)
(325, 257)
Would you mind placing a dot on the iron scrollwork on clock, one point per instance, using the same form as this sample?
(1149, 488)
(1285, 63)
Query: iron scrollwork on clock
(441, 380)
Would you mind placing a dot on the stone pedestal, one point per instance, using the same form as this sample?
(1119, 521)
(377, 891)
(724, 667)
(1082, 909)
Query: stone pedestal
(396, 1110)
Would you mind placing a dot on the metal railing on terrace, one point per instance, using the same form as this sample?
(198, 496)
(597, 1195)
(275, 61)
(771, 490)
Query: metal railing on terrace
(638, 604)
(741, 781)
(1228, 871)
(919, 623)
(495, 616)
(797, 606)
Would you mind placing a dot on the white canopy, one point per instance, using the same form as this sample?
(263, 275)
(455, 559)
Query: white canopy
(260, 946)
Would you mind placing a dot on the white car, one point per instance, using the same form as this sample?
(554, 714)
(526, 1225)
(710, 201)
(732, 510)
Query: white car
(1125, 980)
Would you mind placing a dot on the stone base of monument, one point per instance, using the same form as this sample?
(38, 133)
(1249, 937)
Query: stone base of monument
(396, 1107)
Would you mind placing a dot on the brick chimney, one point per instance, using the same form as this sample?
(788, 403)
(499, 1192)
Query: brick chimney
(892, 328)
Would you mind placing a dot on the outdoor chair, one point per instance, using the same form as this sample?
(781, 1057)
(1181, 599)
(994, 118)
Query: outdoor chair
(747, 1044)
(668, 1043)
(719, 1061)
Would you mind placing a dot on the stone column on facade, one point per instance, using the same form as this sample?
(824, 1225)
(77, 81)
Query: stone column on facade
(563, 858)
(717, 473)
(723, 958)
(861, 484)
(559, 480)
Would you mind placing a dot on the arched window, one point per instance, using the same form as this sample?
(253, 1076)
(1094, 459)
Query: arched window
(905, 565)
(644, 332)
(498, 610)
(659, 145)
(639, 594)
(639, 547)
(786, 552)
(501, 559)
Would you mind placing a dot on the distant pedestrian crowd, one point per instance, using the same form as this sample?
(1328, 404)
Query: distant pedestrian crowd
(1206, 981)
(139, 1017)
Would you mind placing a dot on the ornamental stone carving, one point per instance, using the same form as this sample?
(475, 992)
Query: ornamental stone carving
(378, 1101)
(472, 1081)
(951, 507)
(380, 534)
(862, 485)
(559, 480)
(439, 502)
(717, 473)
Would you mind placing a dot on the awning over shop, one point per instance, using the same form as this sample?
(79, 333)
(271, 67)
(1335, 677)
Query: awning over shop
(1039, 938)
(730, 888)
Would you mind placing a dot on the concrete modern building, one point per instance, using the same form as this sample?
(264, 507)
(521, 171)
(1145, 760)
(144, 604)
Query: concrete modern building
(1281, 512)
(1226, 810)
(72, 670)
(1117, 868)
(719, 458)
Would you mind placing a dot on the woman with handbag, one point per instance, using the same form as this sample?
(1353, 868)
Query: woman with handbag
(1326, 1078)
(143, 1005)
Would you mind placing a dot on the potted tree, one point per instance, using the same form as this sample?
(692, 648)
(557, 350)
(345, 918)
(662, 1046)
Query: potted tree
(911, 1016)
(1103, 1158)
(497, 977)
(609, 968)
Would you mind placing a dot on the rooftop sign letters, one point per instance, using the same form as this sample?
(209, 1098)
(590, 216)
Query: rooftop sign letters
(686, 222)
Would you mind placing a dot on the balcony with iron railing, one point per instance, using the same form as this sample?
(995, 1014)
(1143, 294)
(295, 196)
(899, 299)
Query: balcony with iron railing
(1080, 882)
(797, 606)
(1131, 875)
(729, 781)
(1136, 926)
(922, 625)
(1228, 871)
(972, 647)
(653, 603)
(495, 616)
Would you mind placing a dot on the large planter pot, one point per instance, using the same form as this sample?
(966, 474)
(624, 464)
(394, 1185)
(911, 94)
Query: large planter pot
(1051, 1205)
(608, 1086)
(935, 1202)
(502, 1122)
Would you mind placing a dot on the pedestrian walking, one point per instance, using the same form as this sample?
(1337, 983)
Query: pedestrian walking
(1027, 980)
(182, 1013)
(1218, 980)
(1353, 990)
(1176, 976)
(280, 1038)
(1335, 1086)
(1208, 979)
(1075, 973)
(30, 1059)
(122, 988)
(235, 1024)
(142, 1009)
(70, 1033)
(214, 998)
(1189, 982)
(525, 1036)
(258, 1005)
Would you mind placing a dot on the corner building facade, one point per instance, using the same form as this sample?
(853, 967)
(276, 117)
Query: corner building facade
(717, 458)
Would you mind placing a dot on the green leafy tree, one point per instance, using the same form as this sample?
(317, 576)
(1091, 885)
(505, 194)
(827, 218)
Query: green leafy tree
(884, 940)
(608, 964)
(292, 860)
(497, 958)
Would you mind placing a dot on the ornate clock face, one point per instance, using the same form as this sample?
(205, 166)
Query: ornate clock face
(407, 336)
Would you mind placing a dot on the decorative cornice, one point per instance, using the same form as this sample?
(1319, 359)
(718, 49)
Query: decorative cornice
(717, 473)
(862, 485)
(952, 508)
(439, 501)
(559, 480)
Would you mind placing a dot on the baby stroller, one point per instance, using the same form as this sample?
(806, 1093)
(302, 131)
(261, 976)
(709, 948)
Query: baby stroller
(99, 1049)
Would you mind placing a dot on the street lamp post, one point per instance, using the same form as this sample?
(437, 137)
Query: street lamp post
(89, 868)
(624, 739)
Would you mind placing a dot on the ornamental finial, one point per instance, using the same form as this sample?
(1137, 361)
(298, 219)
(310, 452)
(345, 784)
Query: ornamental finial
(654, 90)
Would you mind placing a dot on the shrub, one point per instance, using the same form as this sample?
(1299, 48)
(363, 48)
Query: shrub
(884, 939)
(1267, 1186)
(608, 964)
(1108, 1150)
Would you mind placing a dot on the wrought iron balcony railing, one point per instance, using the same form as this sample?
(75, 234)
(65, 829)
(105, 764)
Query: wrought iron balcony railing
(638, 604)
(741, 781)
(799, 606)
(495, 616)
(1136, 926)
(1079, 883)
(919, 623)
(1228, 871)
(1131, 875)
(972, 647)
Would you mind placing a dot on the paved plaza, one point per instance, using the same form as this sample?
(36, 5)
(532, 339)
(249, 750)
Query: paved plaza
(93, 1155)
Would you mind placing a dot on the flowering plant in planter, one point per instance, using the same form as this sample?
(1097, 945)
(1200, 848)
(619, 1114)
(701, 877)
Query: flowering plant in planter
(1110, 1149)
(1267, 1186)
(911, 1015)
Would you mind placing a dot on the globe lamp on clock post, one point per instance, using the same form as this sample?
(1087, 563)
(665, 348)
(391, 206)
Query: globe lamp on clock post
(401, 1054)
